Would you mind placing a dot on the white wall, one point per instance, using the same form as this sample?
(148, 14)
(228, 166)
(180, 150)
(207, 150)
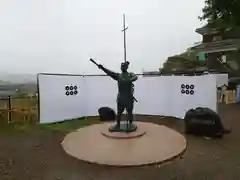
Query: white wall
(100, 91)
(152, 95)
(156, 95)
(204, 94)
(54, 104)
(221, 79)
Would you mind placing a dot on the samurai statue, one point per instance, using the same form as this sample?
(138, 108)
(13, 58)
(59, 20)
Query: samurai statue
(125, 98)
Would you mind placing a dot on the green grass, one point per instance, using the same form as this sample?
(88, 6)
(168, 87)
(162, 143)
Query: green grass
(64, 126)
(70, 125)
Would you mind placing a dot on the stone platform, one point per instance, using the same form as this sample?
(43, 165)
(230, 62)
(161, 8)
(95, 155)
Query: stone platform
(151, 143)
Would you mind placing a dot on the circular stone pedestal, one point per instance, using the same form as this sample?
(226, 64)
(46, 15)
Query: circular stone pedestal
(140, 131)
(124, 127)
(157, 145)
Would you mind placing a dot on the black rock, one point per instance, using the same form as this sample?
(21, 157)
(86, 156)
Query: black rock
(106, 114)
(204, 122)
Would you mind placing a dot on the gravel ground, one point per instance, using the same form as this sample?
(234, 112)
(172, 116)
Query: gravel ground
(37, 155)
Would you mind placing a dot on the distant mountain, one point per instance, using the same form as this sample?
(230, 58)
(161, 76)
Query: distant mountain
(18, 78)
(4, 83)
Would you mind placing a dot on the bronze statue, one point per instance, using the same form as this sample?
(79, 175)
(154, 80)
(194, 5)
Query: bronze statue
(125, 98)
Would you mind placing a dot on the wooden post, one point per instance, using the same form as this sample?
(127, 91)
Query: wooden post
(230, 97)
(9, 110)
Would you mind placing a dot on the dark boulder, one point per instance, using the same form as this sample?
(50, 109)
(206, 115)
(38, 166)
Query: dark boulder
(205, 122)
(106, 114)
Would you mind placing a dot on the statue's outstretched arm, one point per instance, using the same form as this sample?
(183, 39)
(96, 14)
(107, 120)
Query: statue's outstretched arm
(110, 73)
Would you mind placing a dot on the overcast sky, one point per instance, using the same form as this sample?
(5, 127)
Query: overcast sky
(60, 36)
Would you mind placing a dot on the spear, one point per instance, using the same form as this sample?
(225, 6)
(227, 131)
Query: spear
(124, 36)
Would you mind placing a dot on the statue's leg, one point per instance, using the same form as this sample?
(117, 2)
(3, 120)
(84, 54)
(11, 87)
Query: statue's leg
(120, 109)
(130, 112)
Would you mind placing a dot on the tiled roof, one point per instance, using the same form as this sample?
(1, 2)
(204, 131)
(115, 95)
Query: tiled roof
(217, 45)
(212, 28)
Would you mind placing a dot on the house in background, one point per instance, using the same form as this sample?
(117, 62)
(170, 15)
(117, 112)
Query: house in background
(221, 48)
(151, 73)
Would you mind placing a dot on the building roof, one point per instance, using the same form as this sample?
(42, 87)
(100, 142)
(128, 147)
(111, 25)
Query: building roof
(206, 30)
(218, 46)
(215, 27)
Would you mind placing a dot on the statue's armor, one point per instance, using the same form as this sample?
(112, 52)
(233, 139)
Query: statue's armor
(125, 89)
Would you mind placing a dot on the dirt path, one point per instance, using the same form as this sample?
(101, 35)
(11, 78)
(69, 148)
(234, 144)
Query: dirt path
(37, 155)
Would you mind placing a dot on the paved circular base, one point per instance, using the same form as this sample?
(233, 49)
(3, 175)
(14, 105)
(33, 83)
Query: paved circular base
(158, 145)
(124, 127)
(140, 131)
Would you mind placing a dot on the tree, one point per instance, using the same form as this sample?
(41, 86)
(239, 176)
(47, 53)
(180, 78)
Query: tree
(221, 13)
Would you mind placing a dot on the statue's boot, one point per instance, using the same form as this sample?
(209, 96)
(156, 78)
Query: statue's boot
(118, 120)
(116, 127)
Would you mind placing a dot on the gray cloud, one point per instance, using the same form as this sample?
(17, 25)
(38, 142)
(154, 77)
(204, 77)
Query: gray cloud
(61, 35)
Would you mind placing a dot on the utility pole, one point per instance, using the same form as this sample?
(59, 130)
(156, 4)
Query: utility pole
(124, 36)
